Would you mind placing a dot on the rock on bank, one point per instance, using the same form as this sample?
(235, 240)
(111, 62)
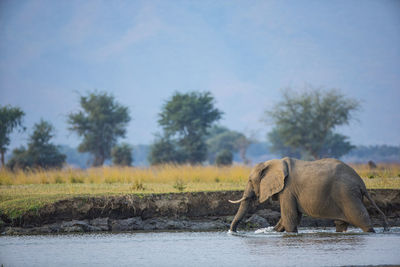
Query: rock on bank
(175, 211)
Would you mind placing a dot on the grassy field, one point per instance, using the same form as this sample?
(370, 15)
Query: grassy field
(21, 191)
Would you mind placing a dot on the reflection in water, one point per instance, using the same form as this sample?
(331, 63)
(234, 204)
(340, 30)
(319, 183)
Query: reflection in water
(320, 247)
(307, 242)
(310, 247)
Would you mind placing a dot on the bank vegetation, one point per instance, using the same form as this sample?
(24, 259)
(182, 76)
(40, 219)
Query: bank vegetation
(30, 189)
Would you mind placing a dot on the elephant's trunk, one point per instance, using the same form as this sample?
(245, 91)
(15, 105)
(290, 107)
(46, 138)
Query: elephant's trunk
(244, 206)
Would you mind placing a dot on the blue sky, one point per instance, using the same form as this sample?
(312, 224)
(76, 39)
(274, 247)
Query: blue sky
(243, 52)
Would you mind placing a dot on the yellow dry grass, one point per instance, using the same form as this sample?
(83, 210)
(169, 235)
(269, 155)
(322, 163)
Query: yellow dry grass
(165, 174)
(385, 176)
(29, 190)
(160, 179)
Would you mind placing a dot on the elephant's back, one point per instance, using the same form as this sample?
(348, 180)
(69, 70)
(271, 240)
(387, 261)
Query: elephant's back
(324, 170)
(321, 183)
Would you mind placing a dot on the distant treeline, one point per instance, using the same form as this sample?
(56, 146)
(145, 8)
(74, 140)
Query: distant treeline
(304, 126)
(381, 153)
(256, 152)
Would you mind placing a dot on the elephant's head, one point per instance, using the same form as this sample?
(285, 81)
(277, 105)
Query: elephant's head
(266, 179)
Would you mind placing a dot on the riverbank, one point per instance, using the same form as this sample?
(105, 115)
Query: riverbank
(173, 211)
(30, 191)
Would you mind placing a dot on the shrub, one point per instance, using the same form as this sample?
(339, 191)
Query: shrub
(179, 185)
(122, 155)
(59, 180)
(224, 158)
(76, 180)
(110, 180)
(138, 186)
(44, 180)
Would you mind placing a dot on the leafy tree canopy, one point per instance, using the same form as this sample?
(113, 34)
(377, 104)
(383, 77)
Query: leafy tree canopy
(164, 150)
(41, 153)
(188, 114)
(305, 122)
(10, 118)
(122, 155)
(100, 123)
(335, 145)
(185, 119)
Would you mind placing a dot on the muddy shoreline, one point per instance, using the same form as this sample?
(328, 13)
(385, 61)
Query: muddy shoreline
(197, 211)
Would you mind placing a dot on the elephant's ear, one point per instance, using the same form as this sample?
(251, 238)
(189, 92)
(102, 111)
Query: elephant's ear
(272, 178)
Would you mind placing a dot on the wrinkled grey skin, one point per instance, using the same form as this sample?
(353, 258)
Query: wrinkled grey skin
(325, 188)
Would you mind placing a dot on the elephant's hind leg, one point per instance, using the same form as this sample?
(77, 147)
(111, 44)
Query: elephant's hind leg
(357, 214)
(341, 226)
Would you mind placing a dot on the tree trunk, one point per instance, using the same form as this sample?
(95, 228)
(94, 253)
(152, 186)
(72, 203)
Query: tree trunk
(2, 159)
(242, 152)
(98, 161)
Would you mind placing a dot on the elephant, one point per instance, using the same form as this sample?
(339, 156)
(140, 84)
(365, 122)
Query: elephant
(325, 188)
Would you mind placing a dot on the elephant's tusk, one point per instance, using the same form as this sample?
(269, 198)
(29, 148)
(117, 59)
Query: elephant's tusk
(237, 201)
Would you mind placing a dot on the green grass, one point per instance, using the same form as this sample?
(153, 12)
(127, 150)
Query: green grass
(16, 200)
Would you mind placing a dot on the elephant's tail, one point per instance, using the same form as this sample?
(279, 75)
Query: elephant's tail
(385, 222)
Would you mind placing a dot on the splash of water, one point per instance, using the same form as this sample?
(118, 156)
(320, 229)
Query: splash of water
(266, 230)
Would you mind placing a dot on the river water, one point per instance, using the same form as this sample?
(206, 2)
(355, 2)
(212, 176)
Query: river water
(310, 247)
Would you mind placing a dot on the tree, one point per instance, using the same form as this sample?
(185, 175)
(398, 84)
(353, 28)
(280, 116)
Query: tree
(20, 159)
(10, 118)
(41, 153)
(101, 122)
(305, 122)
(277, 146)
(122, 155)
(335, 145)
(242, 144)
(185, 119)
(224, 158)
(165, 150)
(221, 138)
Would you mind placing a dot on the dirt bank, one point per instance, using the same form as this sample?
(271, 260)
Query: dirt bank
(183, 211)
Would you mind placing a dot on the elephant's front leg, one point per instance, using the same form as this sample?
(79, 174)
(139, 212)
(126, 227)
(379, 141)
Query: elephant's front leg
(290, 214)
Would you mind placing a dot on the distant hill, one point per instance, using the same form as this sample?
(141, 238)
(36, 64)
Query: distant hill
(259, 152)
(382, 153)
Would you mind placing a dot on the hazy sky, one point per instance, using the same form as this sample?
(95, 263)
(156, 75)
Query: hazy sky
(244, 52)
